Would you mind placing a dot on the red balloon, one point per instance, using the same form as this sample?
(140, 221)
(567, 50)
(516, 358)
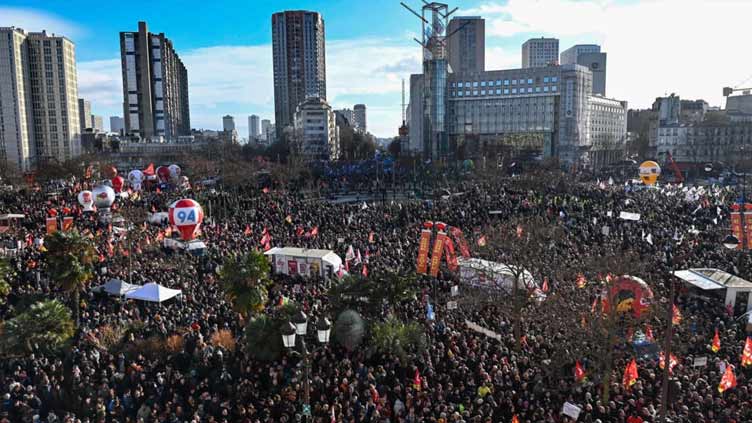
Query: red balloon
(186, 215)
(163, 173)
(117, 183)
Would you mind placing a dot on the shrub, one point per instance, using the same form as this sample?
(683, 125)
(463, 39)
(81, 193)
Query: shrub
(223, 339)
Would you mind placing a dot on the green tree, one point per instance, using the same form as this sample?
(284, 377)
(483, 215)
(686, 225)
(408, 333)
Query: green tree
(245, 280)
(349, 329)
(46, 326)
(70, 257)
(398, 338)
(5, 270)
(263, 338)
(368, 296)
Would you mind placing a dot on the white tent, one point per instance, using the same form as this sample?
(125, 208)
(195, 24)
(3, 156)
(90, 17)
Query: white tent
(305, 262)
(116, 287)
(707, 279)
(493, 275)
(153, 292)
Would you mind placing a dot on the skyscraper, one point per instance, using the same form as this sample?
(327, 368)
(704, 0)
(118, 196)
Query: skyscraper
(253, 127)
(97, 123)
(84, 114)
(117, 124)
(155, 86)
(228, 123)
(540, 52)
(590, 56)
(266, 129)
(299, 62)
(359, 115)
(466, 48)
(38, 98)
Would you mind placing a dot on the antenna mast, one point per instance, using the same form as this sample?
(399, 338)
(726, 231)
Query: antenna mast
(403, 101)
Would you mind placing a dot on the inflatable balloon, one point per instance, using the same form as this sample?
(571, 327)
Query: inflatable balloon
(174, 172)
(104, 196)
(86, 200)
(649, 172)
(628, 294)
(163, 173)
(135, 176)
(117, 184)
(186, 215)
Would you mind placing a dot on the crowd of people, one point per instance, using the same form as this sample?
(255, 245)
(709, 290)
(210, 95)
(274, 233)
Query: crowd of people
(462, 374)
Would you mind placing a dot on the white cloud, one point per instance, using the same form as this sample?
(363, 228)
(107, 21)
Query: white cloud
(238, 80)
(36, 21)
(691, 47)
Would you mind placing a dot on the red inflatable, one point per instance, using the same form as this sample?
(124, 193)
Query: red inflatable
(186, 215)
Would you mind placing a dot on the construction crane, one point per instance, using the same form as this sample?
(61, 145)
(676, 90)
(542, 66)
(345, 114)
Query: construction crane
(727, 91)
(678, 176)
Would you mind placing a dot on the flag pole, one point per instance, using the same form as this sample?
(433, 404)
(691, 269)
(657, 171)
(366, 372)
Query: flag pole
(667, 344)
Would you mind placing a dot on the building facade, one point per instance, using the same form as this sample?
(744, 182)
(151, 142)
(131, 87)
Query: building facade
(253, 128)
(359, 115)
(299, 61)
(316, 131)
(266, 131)
(97, 124)
(607, 130)
(84, 114)
(590, 56)
(466, 46)
(155, 86)
(540, 52)
(38, 98)
(117, 124)
(228, 123)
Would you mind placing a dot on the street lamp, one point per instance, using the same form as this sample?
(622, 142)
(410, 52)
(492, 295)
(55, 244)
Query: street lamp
(731, 242)
(299, 326)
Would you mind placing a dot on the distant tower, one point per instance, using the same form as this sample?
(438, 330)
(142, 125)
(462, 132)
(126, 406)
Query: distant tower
(228, 123)
(540, 52)
(466, 50)
(359, 115)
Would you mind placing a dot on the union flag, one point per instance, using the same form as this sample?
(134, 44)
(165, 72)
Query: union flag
(630, 374)
(728, 381)
(716, 346)
(579, 372)
(747, 353)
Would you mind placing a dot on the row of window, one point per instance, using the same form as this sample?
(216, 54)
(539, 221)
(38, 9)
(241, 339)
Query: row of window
(506, 82)
(505, 91)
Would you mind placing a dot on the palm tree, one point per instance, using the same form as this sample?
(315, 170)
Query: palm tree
(244, 282)
(46, 325)
(70, 257)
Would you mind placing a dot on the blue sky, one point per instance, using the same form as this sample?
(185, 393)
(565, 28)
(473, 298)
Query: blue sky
(226, 47)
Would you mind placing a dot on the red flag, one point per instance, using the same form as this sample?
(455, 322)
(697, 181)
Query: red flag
(630, 374)
(649, 333)
(417, 382)
(747, 353)
(482, 241)
(265, 190)
(672, 362)
(300, 231)
(315, 231)
(728, 381)
(247, 230)
(364, 272)
(370, 238)
(716, 342)
(159, 191)
(160, 236)
(677, 317)
(579, 372)
(515, 419)
(149, 171)
(267, 246)
(545, 287)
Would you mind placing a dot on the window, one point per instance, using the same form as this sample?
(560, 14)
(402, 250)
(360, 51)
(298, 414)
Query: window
(459, 84)
(467, 93)
(514, 90)
(530, 89)
(475, 92)
(506, 90)
(514, 82)
(553, 88)
(545, 80)
(529, 81)
(498, 82)
(475, 83)
(454, 84)
(483, 83)
(554, 79)
(545, 89)
(506, 82)
(483, 92)
(537, 89)
(459, 93)
(498, 91)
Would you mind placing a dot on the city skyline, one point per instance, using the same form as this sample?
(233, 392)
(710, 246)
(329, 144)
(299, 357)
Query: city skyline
(231, 70)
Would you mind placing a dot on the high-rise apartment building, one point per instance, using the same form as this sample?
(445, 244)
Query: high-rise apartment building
(466, 47)
(299, 62)
(155, 86)
(117, 124)
(253, 127)
(317, 125)
(359, 115)
(348, 115)
(540, 52)
(97, 124)
(38, 98)
(84, 114)
(266, 131)
(228, 123)
(588, 55)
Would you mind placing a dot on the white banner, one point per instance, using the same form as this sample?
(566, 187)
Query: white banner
(451, 305)
(629, 216)
(480, 329)
(571, 410)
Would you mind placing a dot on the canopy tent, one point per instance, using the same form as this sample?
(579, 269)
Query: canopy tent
(116, 287)
(493, 275)
(715, 279)
(303, 261)
(153, 292)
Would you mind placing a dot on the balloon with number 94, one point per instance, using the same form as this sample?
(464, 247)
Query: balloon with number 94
(186, 215)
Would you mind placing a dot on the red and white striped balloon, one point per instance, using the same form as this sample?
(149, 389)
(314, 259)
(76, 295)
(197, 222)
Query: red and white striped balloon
(186, 215)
